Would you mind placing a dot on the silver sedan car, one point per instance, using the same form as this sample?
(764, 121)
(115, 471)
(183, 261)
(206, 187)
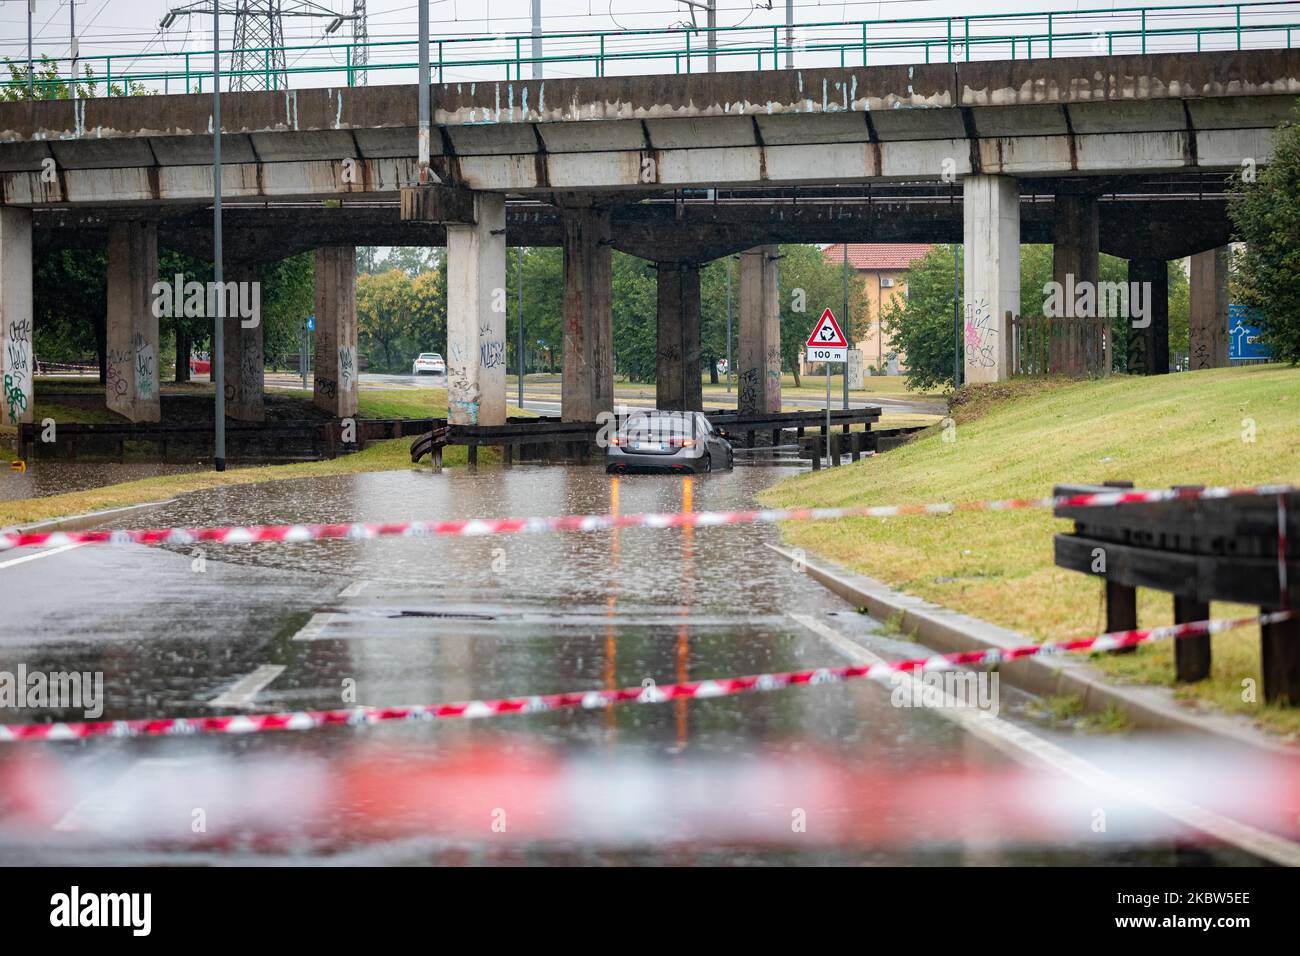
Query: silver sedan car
(667, 441)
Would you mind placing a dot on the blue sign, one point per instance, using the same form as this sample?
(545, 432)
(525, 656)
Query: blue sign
(1244, 334)
(311, 323)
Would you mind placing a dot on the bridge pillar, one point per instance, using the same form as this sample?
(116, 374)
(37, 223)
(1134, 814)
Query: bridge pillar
(677, 361)
(991, 232)
(1148, 346)
(1075, 260)
(245, 362)
(588, 381)
(132, 327)
(476, 315)
(1207, 320)
(759, 376)
(17, 362)
(335, 353)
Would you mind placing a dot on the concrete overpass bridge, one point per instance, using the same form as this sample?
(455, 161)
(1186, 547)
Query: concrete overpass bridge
(1088, 152)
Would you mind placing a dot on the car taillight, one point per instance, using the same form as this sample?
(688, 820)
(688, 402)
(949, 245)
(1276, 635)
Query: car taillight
(682, 442)
(615, 440)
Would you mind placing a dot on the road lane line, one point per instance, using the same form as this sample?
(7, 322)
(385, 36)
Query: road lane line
(1027, 748)
(355, 588)
(41, 554)
(242, 691)
(311, 631)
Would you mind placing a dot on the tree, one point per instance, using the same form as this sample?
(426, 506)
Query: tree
(1265, 208)
(922, 324)
(385, 303)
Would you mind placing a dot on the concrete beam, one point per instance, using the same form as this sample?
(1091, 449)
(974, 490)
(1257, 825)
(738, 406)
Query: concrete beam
(1148, 346)
(588, 382)
(759, 371)
(17, 365)
(335, 354)
(1207, 319)
(476, 315)
(991, 212)
(132, 331)
(245, 360)
(677, 354)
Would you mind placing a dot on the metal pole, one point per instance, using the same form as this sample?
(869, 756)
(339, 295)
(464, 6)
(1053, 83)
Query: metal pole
(729, 325)
(789, 48)
(846, 324)
(713, 36)
(72, 35)
(519, 310)
(31, 9)
(956, 320)
(537, 39)
(828, 412)
(424, 91)
(218, 364)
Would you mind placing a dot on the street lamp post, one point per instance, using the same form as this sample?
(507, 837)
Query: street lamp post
(218, 364)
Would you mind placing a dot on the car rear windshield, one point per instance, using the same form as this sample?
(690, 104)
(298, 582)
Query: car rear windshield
(659, 426)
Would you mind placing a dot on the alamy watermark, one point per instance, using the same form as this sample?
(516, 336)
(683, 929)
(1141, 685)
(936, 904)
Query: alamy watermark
(1098, 300)
(967, 690)
(54, 690)
(193, 299)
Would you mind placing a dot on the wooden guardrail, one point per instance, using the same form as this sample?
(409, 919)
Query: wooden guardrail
(1197, 550)
(261, 441)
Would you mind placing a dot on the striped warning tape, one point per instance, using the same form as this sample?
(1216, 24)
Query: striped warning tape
(484, 526)
(594, 699)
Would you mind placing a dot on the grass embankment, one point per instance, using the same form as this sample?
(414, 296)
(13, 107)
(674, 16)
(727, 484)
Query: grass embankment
(1017, 440)
(380, 456)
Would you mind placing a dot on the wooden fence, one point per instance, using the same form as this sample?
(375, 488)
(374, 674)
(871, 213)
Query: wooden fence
(1060, 346)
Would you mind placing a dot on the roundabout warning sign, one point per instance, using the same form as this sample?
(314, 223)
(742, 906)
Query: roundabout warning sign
(827, 342)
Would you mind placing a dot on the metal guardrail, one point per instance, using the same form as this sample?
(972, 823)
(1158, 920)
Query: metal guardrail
(1045, 34)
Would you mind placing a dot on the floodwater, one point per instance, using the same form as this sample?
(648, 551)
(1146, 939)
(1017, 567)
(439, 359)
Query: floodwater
(43, 478)
(813, 774)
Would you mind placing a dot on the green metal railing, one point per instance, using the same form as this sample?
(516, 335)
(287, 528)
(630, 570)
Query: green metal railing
(1198, 27)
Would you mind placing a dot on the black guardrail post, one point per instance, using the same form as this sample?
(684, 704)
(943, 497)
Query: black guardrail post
(1121, 600)
(1191, 654)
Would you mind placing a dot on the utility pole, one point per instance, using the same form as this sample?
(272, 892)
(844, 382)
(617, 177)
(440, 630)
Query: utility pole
(710, 8)
(72, 35)
(31, 9)
(729, 258)
(519, 316)
(218, 364)
(789, 34)
(537, 39)
(848, 326)
(956, 319)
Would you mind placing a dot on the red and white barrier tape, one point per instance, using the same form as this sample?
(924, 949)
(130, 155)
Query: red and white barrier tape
(593, 699)
(483, 526)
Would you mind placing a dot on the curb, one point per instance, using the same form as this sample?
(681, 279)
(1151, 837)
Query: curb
(89, 520)
(948, 631)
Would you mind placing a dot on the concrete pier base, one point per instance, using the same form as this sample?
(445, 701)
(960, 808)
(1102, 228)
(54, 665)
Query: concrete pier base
(677, 361)
(759, 368)
(476, 315)
(1207, 317)
(335, 354)
(132, 327)
(991, 232)
(17, 361)
(1148, 346)
(245, 362)
(588, 379)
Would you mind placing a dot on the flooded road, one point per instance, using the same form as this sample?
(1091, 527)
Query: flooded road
(44, 478)
(332, 624)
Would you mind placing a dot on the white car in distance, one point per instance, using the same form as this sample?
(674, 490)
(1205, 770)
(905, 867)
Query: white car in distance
(429, 363)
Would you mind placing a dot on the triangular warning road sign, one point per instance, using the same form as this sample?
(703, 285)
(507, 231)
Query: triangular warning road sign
(827, 334)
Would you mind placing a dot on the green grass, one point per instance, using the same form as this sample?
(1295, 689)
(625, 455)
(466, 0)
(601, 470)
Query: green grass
(1016, 440)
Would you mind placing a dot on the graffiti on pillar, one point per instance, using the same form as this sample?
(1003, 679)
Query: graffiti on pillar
(347, 368)
(118, 373)
(492, 354)
(327, 387)
(17, 367)
(1139, 352)
(749, 381)
(144, 368)
(250, 375)
(981, 335)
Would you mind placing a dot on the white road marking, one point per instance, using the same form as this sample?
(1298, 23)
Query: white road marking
(311, 631)
(1025, 747)
(42, 554)
(242, 691)
(353, 589)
